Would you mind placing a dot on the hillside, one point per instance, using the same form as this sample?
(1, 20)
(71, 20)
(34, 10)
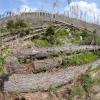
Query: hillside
(49, 57)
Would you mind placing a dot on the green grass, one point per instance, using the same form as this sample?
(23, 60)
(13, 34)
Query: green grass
(41, 43)
(80, 59)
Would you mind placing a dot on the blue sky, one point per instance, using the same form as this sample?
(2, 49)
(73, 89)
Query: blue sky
(7, 5)
(39, 4)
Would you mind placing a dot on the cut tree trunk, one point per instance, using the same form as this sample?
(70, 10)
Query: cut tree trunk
(46, 64)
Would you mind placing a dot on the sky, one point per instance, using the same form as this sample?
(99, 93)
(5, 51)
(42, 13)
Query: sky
(7, 5)
(91, 6)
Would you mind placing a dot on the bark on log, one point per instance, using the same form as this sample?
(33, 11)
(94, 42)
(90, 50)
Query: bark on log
(36, 82)
(45, 52)
(46, 64)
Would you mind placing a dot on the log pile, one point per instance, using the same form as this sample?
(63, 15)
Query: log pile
(42, 81)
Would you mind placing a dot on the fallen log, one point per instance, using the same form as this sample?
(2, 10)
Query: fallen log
(45, 64)
(42, 81)
(45, 52)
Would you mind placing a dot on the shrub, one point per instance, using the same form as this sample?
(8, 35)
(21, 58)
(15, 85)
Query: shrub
(10, 24)
(20, 23)
(87, 40)
(48, 35)
(84, 33)
(3, 30)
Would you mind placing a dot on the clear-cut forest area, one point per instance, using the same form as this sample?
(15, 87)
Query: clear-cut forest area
(49, 55)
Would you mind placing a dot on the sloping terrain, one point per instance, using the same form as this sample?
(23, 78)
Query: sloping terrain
(50, 60)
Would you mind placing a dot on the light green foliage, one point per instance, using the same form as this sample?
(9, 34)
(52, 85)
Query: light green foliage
(41, 43)
(57, 41)
(80, 59)
(62, 32)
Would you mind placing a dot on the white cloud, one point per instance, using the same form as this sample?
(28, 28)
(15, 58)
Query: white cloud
(90, 9)
(25, 8)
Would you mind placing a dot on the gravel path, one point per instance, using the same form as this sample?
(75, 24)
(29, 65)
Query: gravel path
(42, 81)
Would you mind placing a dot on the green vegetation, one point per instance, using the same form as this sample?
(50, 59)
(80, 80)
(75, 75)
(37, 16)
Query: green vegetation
(4, 53)
(19, 23)
(79, 59)
(63, 36)
(87, 82)
(2, 62)
(97, 78)
(41, 43)
(2, 30)
(82, 88)
(10, 24)
(52, 37)
(52, 89)
(77, 91)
